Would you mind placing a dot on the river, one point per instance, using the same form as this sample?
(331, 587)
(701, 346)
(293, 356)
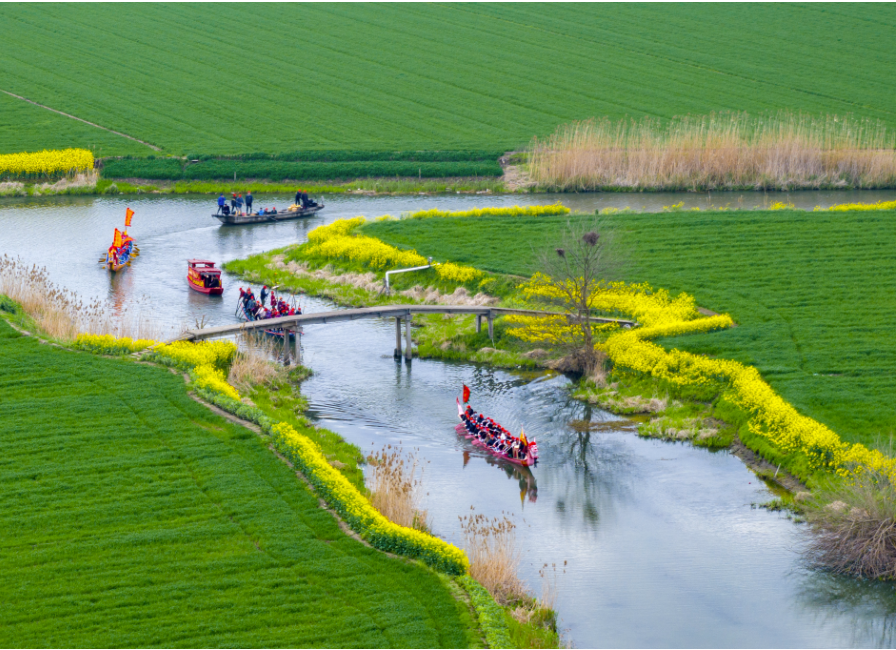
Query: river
(656, 543)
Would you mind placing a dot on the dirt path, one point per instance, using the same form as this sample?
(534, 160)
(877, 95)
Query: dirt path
(123, 135)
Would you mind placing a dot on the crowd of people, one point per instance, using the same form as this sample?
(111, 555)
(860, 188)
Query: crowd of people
(238, 201)
(494, 436)
(258, 309)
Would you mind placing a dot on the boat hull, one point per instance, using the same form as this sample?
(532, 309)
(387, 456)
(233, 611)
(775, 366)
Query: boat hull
(243, 219)
(209, 291)
(525, 462)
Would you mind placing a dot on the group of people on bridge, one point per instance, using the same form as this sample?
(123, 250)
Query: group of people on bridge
(493, 435)
(256, 309)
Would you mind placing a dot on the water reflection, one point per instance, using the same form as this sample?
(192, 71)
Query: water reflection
(865, 608)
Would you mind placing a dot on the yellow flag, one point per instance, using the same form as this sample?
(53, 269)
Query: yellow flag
(127, 217)
(116, 243)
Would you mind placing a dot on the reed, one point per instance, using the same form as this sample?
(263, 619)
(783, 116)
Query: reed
(252, 366)
(396, 488)
(62, 314)
(722, 151)
(494, 556)
(853, 526)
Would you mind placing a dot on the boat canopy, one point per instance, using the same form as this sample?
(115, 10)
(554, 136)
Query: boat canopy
(206, 267)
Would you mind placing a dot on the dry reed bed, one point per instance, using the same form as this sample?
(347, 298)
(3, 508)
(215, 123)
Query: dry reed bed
(395, 487)
(720, 151)
(62, 314)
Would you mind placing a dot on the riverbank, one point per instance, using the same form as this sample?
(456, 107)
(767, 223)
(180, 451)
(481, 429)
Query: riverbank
(278, 399)
(361, 186)
(713, 415)
(185, 519)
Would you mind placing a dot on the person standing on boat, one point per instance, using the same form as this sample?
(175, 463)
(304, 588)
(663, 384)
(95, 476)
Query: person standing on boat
(221, 202)
(299, 199)
(264, 294)
(249, 202)
(233, 203)
(239, 202)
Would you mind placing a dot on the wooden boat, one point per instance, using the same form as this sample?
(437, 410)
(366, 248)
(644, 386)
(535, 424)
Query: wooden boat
(530, 460)
(202, 276)
(281, 215)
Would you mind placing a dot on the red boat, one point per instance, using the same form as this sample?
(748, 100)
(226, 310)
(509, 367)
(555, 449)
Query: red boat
(529, 460)
(202, 276)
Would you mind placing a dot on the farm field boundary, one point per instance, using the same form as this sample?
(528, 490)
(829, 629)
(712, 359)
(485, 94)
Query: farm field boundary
(79, 119)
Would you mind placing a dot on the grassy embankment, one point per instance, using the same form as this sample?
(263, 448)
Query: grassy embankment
(123, 495)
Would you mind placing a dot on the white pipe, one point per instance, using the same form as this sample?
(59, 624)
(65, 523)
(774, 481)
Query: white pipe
(416, 268)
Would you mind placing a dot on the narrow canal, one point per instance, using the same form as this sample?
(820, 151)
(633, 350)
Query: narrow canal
(659, 541)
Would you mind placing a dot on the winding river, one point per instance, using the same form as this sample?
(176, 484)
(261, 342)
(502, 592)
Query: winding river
(656, 543)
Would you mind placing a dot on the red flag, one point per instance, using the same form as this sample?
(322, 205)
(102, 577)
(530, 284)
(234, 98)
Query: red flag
(127, 217)
(466, 393)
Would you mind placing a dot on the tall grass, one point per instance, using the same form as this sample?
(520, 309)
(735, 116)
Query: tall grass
(396, 487)
(718, 151)
(494, 556)
(853, 526)
(61, 313)
(252, 366)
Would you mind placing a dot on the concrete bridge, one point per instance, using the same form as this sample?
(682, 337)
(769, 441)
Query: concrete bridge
(398, 312)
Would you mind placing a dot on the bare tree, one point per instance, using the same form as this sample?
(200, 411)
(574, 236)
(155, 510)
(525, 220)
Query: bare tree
(570, 274)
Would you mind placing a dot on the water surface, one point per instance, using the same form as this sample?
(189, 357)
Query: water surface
(661, 543)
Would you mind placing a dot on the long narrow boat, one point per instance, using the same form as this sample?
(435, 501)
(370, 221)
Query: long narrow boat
(280, 215)
(530, 460)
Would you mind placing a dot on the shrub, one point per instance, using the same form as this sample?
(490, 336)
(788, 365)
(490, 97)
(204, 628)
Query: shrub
(108, 344)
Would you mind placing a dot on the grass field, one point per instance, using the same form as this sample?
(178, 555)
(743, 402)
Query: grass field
(813, 292)
(133, 516)
(283, 77)
(26, 127)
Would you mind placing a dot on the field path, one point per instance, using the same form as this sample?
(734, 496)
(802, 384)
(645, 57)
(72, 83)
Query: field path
(74, 117)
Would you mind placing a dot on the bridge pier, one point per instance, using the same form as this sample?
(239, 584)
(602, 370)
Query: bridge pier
(298, 345)
(397, 354)
(491, 326)
(408, 353)
(478, 323)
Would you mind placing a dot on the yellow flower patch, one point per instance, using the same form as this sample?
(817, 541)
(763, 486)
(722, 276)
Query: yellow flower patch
(57, 161)
(357, 511)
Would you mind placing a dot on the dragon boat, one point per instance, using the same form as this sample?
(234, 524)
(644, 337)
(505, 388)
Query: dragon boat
(531, 458)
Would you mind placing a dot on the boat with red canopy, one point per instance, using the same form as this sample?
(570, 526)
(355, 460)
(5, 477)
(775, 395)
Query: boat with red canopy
(202, 276)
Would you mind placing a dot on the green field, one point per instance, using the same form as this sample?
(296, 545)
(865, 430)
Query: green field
(284, 77)
(132, 516)
(813, 293)
(26, 127)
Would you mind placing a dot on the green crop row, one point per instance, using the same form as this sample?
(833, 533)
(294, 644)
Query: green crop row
(274, 170)
(348, 155)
